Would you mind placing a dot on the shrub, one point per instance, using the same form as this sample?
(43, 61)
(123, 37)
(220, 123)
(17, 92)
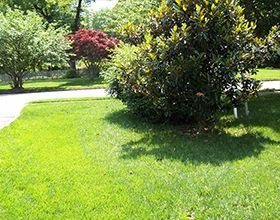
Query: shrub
(196, 60)
(91, 46)
(26, 44)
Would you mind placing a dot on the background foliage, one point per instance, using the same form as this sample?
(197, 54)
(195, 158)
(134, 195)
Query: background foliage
(127, 14)
(53, 11)
(266, 14)
(58, 12)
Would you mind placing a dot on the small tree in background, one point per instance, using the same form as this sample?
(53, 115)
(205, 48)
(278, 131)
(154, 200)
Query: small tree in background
(26, 44)
(92, 47)
(196, 59)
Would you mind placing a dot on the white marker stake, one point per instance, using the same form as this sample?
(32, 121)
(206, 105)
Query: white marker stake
(235, 112)
(246, 109)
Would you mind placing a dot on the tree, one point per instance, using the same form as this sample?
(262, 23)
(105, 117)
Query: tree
(53, 11)
(197, 59)
(127, 14)
(59, 12)
(27, 44)
(92, 46)
(56, 12)
(75, 27)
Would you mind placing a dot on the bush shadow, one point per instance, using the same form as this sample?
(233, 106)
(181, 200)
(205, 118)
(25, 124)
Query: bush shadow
(264, 112)
(218, 147)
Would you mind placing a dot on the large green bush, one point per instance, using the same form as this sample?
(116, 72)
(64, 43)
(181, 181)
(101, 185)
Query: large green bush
(196, 59)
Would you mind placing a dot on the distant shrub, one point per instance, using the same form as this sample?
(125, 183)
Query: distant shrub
(196, 59)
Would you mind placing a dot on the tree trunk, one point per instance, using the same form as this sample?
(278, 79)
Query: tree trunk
(94, 70)
(77, 20)
(17, 82)
(75, 27)
(73, 68)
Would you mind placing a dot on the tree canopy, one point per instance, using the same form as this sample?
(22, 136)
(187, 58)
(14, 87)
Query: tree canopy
(61, 12)
(125, 11)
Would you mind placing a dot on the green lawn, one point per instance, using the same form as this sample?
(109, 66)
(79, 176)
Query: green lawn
(58, 84)
(90, 159)
(268, 74)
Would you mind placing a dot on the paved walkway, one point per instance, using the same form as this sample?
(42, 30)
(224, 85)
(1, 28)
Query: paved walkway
(271, 85)
(11, 105)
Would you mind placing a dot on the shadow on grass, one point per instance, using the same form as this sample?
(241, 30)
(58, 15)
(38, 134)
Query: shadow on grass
(80, 83)
(264, 112)
(167, 142)
(83, 82)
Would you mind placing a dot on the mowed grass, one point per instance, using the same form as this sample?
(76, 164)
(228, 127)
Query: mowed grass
(268, 74)
(91, 159)
(57, 84)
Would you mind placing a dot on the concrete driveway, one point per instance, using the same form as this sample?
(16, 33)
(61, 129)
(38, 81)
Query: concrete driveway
(271, 85)
(11, 105)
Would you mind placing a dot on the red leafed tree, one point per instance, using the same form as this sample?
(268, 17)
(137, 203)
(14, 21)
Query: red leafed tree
(92, 46)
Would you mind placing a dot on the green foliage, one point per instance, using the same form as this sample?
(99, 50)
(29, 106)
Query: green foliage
(53, 11)
(196, 60)
(58, 12)
(26, 44)
(128, 14)
(99, 20)
(272, 42)
(266, 14)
